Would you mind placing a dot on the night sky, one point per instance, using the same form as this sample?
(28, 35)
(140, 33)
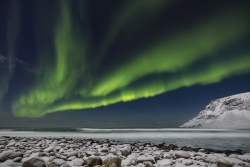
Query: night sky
(126, 63)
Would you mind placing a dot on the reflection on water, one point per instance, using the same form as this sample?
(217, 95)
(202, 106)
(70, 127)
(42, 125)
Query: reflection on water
(220, 139)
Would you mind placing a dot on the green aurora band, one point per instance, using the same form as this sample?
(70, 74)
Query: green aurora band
(58, 89)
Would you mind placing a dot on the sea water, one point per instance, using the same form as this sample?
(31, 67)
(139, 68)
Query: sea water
(220, 139)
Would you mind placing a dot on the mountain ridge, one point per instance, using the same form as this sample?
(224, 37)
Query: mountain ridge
(231, 112)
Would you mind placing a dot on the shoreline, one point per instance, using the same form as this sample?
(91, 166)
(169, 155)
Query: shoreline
(215, 139)
(60, 151)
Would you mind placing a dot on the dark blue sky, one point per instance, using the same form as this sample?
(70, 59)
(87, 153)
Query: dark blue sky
(58, 60)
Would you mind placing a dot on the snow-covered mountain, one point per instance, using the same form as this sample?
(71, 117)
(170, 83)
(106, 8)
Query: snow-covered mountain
(232, 112)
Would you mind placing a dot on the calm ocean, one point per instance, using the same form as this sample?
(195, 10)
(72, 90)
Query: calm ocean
(220, 139)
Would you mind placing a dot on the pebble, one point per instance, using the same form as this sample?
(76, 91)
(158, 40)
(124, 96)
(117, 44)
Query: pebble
(69, 152)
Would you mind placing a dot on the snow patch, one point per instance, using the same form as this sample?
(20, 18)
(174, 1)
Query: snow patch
(232, 112)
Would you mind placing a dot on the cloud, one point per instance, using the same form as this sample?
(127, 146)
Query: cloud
(2, 59)
(7, 61)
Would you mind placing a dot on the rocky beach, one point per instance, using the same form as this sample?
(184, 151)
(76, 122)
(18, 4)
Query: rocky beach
(79, 152)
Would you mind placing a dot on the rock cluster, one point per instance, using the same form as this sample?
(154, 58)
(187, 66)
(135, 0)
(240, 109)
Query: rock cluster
(69, 152)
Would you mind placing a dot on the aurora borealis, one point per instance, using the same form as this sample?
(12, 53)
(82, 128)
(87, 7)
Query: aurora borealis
(76, 55)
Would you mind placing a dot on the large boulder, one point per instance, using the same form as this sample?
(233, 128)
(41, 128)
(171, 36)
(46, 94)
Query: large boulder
(58, 162)
(77, 162)
(17, 159)
(66, 165)
(144, 158)
(167, 155)
(93, 161)
(223, 163)
(11, 144)
(92, 152)
(182, 154)
(187, 162)
(172, 147)
(104, 149)
(115, 151)
(245, 157)
(126, 150)
(112, 161)
(5, 155)
(129, 160)
(165, 162)
(211, 159)
(49, 149)
(73, 153)
(180, 165)
(34, 162)
(147, 164)
(10, 163)
(3, 142)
